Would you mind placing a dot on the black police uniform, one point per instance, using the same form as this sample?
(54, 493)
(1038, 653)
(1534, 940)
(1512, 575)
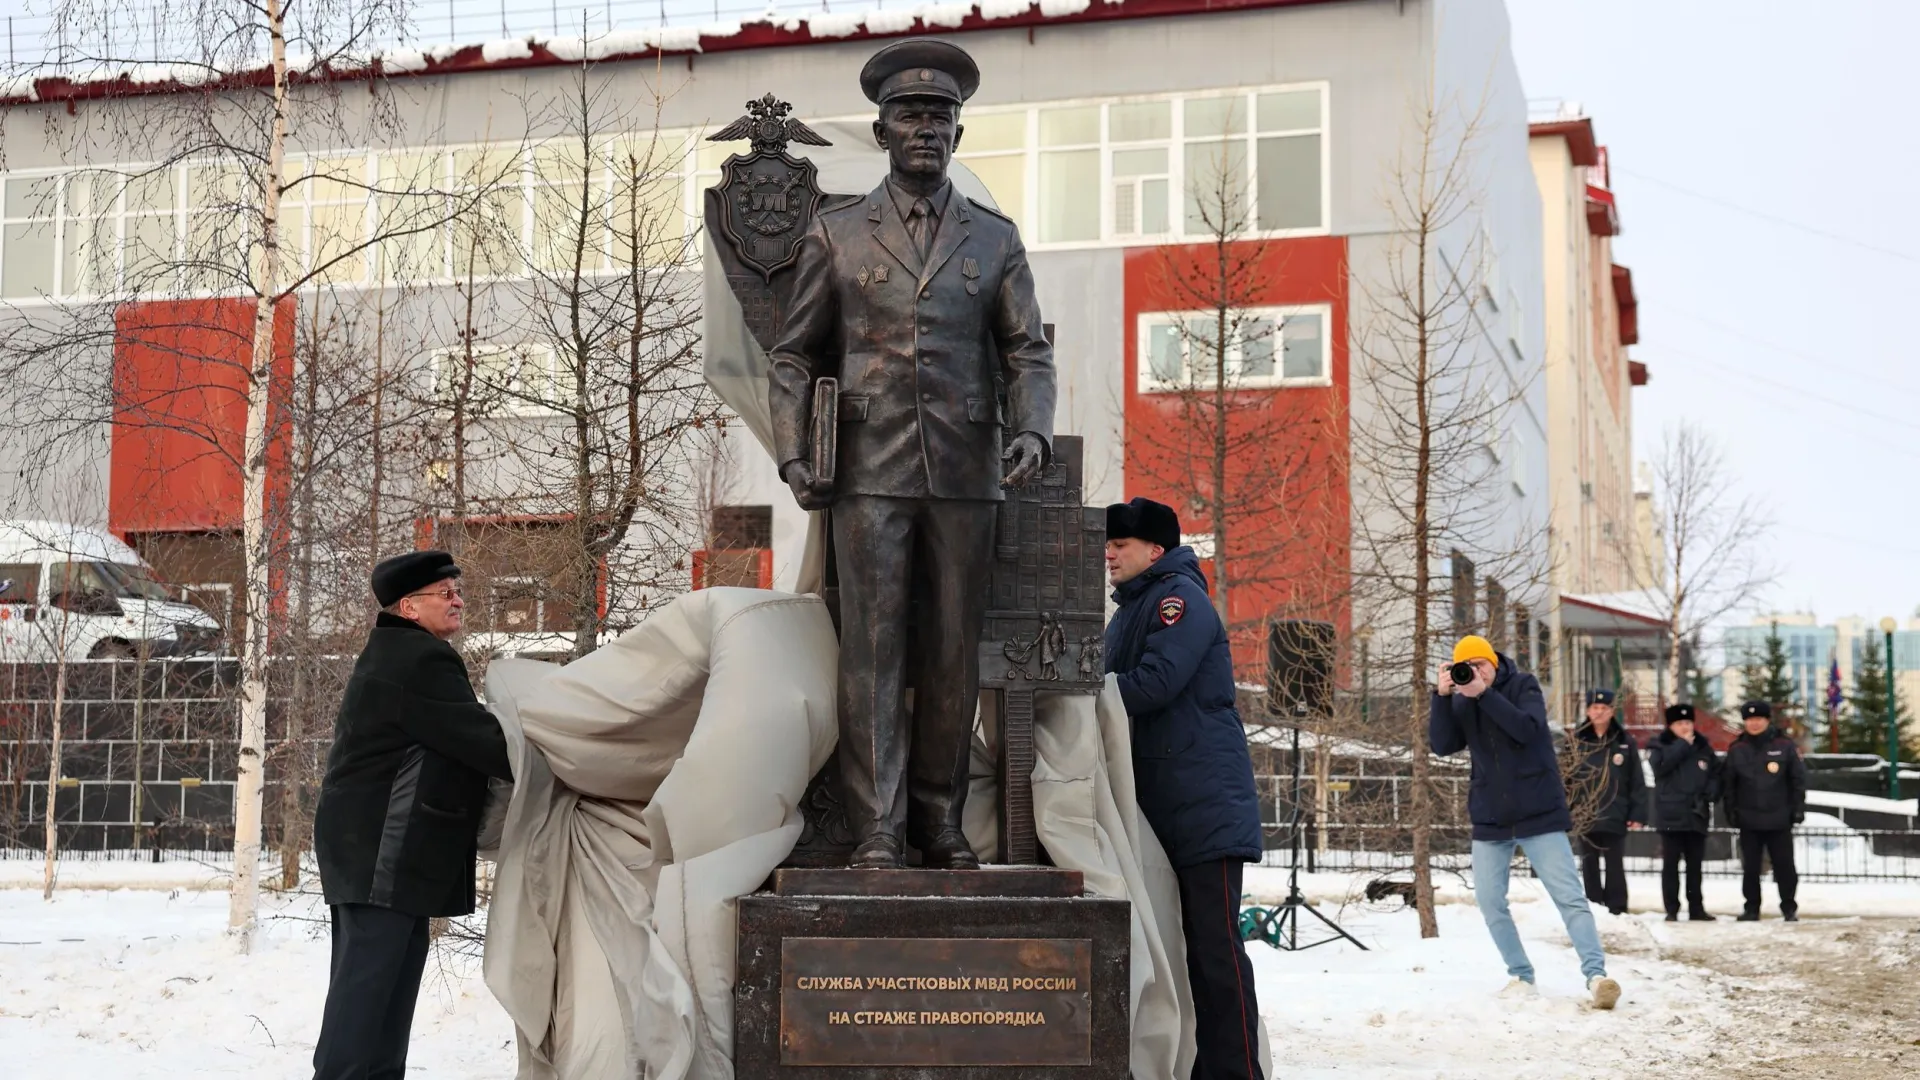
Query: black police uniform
(1686, 783)
(1766, 796)
(1612, 762)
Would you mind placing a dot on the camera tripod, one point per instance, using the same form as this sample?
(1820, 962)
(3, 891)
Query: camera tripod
(1279, 926)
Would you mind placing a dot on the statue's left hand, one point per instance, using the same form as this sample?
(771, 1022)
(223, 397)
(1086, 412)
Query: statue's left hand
(1023, 459)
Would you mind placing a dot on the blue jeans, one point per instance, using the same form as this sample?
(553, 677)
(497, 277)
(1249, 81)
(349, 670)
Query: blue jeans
(1552, 859)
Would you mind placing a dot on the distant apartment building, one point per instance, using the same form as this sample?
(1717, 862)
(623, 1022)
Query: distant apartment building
(1092, 129)
(1812, 648)
(1599, 523)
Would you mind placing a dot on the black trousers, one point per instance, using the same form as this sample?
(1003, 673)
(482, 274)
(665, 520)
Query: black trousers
(902, 771)
(1777, 844)
(1674, 847)
(1226, 1016)
(1610, 849)
(378, 954)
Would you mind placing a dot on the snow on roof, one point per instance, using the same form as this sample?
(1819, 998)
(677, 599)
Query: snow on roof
(1634, 605)
(539, 50)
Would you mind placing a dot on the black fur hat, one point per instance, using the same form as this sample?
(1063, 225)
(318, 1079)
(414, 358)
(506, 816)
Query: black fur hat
(1156, 523)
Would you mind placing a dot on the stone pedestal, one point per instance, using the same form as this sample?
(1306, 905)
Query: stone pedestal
(931, 975)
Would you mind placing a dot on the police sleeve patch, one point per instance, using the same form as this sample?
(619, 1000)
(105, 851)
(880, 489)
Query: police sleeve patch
(1171, 609)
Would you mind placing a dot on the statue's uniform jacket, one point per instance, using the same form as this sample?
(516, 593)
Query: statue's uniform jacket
(923, 351)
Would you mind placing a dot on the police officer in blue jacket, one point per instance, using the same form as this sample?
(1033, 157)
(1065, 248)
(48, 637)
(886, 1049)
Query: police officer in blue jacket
(1192, 771)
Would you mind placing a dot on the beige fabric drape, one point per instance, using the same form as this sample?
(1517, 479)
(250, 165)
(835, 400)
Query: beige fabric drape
(657, 781)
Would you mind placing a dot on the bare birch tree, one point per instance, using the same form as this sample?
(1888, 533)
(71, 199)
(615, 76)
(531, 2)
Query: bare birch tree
(1428, 414)
(244, 74)
(1710, 536)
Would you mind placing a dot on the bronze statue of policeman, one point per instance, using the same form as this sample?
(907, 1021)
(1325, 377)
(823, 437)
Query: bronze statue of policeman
(920, 302)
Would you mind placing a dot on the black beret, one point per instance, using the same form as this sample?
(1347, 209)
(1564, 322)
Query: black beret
(406, 574)
(1756, 708)
(1599, 697)
(920, 67)
(1677, 713)
(1156, 523)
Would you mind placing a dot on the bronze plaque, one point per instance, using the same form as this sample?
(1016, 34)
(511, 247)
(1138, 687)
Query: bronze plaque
(936, 1001)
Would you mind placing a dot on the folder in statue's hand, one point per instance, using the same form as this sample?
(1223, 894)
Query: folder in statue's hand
(826, 432)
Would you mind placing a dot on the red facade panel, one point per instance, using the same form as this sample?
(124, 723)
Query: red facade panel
(1289, 542)
(180, 413)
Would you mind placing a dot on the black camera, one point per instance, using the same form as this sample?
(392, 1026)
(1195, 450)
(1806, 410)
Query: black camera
(1462, 673)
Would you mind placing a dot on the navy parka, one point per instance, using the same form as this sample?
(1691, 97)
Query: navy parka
(1515, 790)
(1193, 773)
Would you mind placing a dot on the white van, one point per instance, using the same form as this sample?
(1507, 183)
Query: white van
(80, 592)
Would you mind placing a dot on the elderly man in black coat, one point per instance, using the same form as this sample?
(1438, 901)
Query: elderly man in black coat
(399, 812)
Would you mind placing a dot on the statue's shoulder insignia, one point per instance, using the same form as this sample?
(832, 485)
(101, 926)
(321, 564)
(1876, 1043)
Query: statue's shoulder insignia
(837, 204)
(985, 209)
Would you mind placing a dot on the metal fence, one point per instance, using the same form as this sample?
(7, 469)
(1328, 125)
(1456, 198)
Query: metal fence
(1365, 829)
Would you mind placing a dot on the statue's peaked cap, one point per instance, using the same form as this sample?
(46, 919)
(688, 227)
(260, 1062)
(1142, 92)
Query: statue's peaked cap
(920, 67)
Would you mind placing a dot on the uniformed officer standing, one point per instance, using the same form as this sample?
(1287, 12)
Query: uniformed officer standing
(1686, 783)
(1766, 791)
(1607, 776)
(921, 302)
(1193, 774)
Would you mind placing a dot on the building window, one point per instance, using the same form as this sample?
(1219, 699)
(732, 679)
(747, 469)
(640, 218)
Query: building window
(1139, 140)
(1465, 607)
(28, 237)
(1288, 159)
(511, 380)
(739, 549)
(1069, 174)
(1268, 348)
(1166, 167)
(994, 147)
(20, 583)
(520, 605)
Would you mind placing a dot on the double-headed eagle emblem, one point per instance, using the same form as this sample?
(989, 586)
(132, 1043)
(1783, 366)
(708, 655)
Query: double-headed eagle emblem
(768, 128)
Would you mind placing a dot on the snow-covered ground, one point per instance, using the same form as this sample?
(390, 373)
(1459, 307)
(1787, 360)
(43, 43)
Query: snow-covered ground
(140, 982)
(144, 985)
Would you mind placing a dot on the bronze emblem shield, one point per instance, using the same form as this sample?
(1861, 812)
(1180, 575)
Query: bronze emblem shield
(766, 197)
(766, 203)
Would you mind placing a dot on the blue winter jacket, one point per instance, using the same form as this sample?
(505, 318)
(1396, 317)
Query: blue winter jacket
(1192, 770)
(1516, 790)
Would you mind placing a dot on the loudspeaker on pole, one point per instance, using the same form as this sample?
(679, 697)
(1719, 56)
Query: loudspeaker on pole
(1300, 667)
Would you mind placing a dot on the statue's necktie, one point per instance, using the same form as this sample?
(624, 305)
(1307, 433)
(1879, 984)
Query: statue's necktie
(920, 227)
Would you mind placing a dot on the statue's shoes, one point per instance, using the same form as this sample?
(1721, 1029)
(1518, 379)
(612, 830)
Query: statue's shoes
(881, 851)
(949, 850)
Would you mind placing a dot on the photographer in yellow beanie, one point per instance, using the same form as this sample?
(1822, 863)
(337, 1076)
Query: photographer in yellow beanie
(1484, 704)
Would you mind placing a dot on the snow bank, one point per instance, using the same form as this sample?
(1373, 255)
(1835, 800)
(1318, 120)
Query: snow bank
(1848, 801)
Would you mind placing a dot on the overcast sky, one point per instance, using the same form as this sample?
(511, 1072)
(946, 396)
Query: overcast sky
(1765, 163)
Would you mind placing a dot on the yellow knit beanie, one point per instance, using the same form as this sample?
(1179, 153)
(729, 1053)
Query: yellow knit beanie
(1474, 647)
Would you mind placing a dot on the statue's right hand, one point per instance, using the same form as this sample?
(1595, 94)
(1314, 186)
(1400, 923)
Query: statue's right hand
(799, 477)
